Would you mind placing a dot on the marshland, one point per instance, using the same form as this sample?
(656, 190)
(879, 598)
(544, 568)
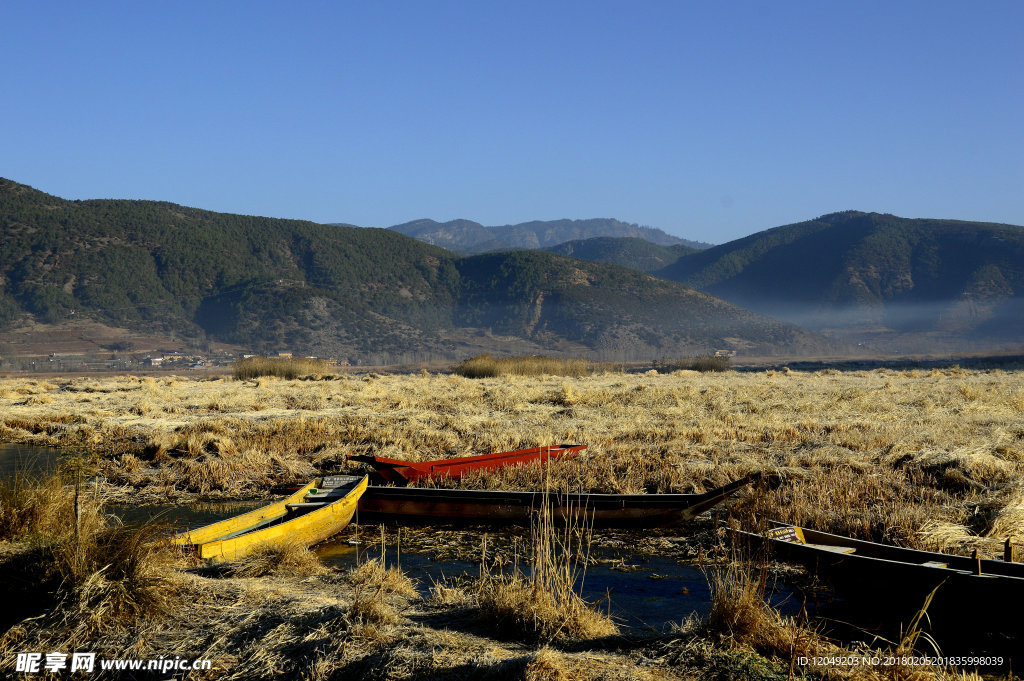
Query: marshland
(928, 458)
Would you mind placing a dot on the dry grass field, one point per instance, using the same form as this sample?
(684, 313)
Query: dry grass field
(924, 458)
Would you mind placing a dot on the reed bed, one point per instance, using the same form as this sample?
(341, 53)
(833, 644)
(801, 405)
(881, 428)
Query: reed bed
(281, 367)
(922, 458)
(487, 366)
(700, 363)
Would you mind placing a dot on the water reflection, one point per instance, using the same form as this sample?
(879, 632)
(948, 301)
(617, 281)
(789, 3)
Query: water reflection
(16, 459)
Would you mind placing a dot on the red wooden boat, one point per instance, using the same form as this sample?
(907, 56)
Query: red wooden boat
(399, 472)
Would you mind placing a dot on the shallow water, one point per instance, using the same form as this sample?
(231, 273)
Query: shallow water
(652, 594)
(182, 516)
(16, 459)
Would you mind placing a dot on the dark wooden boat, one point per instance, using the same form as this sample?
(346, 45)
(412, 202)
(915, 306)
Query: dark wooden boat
(450, 506)
(983, 595)
(399, 472)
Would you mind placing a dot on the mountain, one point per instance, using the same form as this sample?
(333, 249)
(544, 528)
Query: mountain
(371, 295)
(908, 285)
(631, 252)
(466, 236)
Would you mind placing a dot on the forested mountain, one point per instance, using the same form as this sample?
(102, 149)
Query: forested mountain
(466, 236)
(637, 254)
(366, 294)
(899, 284)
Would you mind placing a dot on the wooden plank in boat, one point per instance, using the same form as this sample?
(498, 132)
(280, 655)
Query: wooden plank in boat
(833, 549)
(328, 493)
(332, 481)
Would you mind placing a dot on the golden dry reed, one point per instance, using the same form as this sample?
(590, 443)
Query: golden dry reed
(545, 603)
(487, 366)
(927, 458)
(700, 363)
(923, 458)
(282, 367)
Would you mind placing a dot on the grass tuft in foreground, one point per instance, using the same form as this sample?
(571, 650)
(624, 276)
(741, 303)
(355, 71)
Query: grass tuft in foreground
(118, 576)
(545, 604)
(61, 548)
(287, 558)
(740, 613)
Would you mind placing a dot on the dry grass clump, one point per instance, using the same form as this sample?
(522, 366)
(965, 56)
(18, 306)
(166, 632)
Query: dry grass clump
(1008, 521)
(41, 506)
(117, 577)
(702, 363)
(64, 549)
(447, 596)
(545, 604)
(487, 366)
(518, 605)
(287, 558)
(373, 575)
(372, 605)
(740, 613)
(548, 665)
(281, 367)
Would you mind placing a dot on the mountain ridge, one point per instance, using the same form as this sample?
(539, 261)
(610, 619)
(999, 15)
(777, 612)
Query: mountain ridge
(951, 282)
(467, 236)
(370, 294)
(632, 252)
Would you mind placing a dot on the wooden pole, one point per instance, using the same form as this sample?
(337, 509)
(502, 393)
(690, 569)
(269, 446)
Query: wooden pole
(1008, 551)
(977, 562)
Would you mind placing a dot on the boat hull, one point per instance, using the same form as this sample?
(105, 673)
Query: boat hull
(453, 506)
(241, 522)
(400, 472)
(894, 582)
(304, 529)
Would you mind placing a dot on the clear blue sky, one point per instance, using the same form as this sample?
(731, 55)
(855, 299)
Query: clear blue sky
(709, 120)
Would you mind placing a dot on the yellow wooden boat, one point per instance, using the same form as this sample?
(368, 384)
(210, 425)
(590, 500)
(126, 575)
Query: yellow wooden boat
(294, 519)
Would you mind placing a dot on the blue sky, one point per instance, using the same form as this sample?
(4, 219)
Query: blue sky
(708, 120)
